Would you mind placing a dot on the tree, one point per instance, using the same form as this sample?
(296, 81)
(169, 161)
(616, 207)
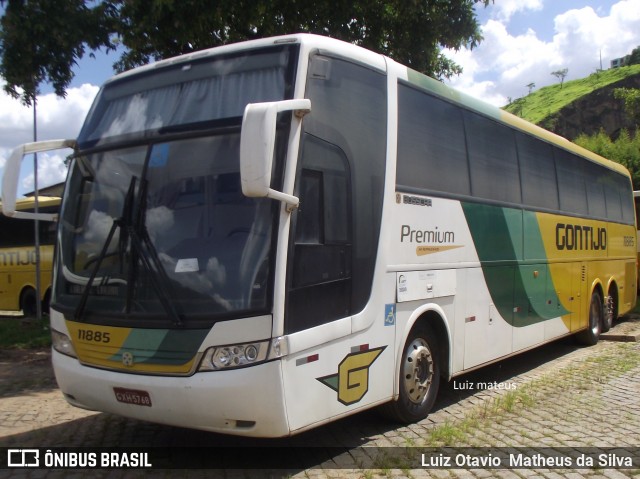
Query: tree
(634, 57)
(631, 98)
(41, 40)
(531, 86)
(560, 75)
(517, 106)
(625, 150)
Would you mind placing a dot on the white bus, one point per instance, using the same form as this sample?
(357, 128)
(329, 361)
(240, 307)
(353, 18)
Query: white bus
(263, 237)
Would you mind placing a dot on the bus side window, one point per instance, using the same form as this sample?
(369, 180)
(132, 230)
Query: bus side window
(538, 172)
(491, 148)
(432, 152)
(571, 175)
(320, 270)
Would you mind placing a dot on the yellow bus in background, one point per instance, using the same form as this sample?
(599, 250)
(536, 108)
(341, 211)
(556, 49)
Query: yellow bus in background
(18, 257)
(636, 199)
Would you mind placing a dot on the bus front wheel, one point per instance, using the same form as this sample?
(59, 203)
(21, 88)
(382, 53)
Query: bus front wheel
(419, 378)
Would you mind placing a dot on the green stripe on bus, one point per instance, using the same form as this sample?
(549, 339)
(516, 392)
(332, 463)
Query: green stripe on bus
(523, 293)
(162, 346)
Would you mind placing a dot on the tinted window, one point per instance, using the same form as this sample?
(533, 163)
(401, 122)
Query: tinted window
(20, 232)
(206, 90)
(571, 178)
(595, 177)
(539, 186)
(431, 145)
(320, 273)
(493, 162)
(341, 167)
(618, 197)
(310, 227)
(626, 197)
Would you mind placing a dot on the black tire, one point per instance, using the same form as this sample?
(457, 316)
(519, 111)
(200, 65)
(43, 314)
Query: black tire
(28, 299)
(46, 302)
(419, 378)
(590, 336)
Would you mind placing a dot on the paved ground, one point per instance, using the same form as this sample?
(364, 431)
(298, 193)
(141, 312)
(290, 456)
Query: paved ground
(559, 397)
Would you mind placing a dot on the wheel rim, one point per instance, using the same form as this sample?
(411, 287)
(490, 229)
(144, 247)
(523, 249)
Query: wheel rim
(418, 370)
(609, 311)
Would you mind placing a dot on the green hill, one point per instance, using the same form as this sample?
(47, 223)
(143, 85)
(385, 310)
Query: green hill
(543, 106)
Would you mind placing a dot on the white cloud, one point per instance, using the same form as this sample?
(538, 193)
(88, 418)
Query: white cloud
(505, 9)
(503, 64)
(56, 118)
(51, 171)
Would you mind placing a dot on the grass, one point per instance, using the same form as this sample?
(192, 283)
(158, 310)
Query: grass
(593, 372)
(19, 333)
(541, 105)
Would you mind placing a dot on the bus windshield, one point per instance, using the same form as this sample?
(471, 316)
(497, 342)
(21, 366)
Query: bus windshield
(157, 227)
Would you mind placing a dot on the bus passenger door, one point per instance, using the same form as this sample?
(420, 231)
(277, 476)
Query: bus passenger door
(330, 369)
(333, 244)
(319, 279)
(320, 268)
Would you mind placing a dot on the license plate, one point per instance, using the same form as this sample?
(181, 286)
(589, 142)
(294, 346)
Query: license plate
(133, 396)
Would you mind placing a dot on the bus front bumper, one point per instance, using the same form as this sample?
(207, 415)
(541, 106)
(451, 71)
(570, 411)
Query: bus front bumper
(247, 402)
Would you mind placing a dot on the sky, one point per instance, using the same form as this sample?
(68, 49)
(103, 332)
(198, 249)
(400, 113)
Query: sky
(524, 42)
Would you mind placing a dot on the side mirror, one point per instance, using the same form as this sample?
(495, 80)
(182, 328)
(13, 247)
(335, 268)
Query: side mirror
(257, 143)
(12, 175)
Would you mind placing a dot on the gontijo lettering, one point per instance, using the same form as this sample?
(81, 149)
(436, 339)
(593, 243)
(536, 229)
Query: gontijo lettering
(15, 258)
(580, 237)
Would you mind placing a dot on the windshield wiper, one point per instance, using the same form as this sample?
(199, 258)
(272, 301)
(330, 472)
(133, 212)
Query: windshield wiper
(117, 223)
(140, 241)
(132, 228)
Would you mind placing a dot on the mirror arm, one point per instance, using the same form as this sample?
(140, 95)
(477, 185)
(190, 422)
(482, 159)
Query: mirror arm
(12, 173)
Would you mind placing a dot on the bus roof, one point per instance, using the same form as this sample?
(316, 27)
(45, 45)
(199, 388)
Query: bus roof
(376, 60)
(28, 203)
(308, 40)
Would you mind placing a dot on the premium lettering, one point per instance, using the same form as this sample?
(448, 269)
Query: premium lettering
(426, 236)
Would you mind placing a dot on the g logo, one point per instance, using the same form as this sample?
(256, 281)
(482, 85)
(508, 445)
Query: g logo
(352, 380)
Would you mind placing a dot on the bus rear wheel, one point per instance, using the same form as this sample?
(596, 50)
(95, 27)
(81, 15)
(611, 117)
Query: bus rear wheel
(610, 310)
(590, 336)
(28, 300)
(419, 378)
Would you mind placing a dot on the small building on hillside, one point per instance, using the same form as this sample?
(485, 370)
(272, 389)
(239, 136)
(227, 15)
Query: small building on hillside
(620, 62)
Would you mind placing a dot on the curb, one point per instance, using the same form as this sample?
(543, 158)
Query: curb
(623, 338)
(627, 330)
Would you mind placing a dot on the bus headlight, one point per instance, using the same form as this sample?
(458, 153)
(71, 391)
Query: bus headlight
(62, 344)
(234, 356)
